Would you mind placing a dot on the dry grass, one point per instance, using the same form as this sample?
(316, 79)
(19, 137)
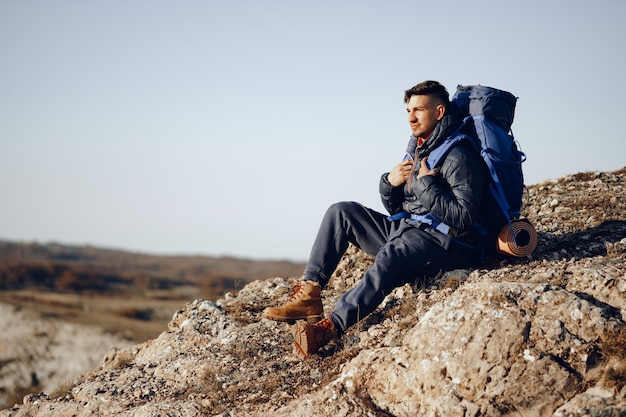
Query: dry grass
(61, 391)
(614, 353)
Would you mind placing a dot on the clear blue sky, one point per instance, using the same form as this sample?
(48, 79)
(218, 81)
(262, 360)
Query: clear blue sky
(227, 128)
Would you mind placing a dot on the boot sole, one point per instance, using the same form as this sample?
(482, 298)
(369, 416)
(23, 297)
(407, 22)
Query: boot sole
(301, 338)
(291, 320)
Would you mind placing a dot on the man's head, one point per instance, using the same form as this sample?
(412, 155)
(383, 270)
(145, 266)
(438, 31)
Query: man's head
(426, 104)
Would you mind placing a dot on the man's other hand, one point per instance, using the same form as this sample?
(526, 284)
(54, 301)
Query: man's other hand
(424, 170)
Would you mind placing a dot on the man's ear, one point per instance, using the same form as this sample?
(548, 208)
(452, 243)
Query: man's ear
(441, 111)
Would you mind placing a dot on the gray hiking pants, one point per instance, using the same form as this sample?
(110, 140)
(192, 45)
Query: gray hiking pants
(404, 253)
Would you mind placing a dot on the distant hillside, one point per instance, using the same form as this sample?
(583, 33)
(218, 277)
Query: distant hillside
(125, 293)
(90, 269)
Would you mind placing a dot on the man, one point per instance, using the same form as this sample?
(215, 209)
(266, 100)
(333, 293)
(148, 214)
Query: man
(429, 230)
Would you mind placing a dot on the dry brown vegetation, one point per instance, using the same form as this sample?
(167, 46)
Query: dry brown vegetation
(123, 292)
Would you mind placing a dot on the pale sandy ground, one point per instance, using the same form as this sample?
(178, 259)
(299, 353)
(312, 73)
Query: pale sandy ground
(31, 348)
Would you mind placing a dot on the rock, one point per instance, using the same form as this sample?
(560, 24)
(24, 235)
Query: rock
(486, 350)
(542, 336)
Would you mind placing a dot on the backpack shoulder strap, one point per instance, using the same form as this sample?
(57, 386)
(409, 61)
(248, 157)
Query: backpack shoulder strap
(436, 156)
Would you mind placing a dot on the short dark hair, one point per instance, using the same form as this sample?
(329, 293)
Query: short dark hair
(429, 88)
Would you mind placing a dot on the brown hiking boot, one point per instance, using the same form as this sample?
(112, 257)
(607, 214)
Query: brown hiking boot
(304, 303)
(309, 338)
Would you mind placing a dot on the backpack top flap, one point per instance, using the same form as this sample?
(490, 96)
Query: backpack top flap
(496, 105)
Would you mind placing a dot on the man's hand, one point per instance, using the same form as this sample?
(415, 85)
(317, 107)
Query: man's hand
(424, 170)
(400, 173)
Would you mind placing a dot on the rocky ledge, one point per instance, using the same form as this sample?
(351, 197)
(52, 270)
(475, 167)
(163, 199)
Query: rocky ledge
(544, 336)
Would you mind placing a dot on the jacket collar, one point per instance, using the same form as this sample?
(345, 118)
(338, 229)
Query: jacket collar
(446, 127)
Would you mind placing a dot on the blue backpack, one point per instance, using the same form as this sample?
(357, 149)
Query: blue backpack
(487, 124)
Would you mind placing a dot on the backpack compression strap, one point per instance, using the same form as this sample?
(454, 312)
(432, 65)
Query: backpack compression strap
(428, 219)
(490, 157)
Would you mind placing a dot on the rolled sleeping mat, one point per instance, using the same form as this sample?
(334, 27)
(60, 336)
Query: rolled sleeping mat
(525, 240)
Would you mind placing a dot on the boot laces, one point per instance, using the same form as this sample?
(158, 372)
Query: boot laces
(324, 329)
(294, 293)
